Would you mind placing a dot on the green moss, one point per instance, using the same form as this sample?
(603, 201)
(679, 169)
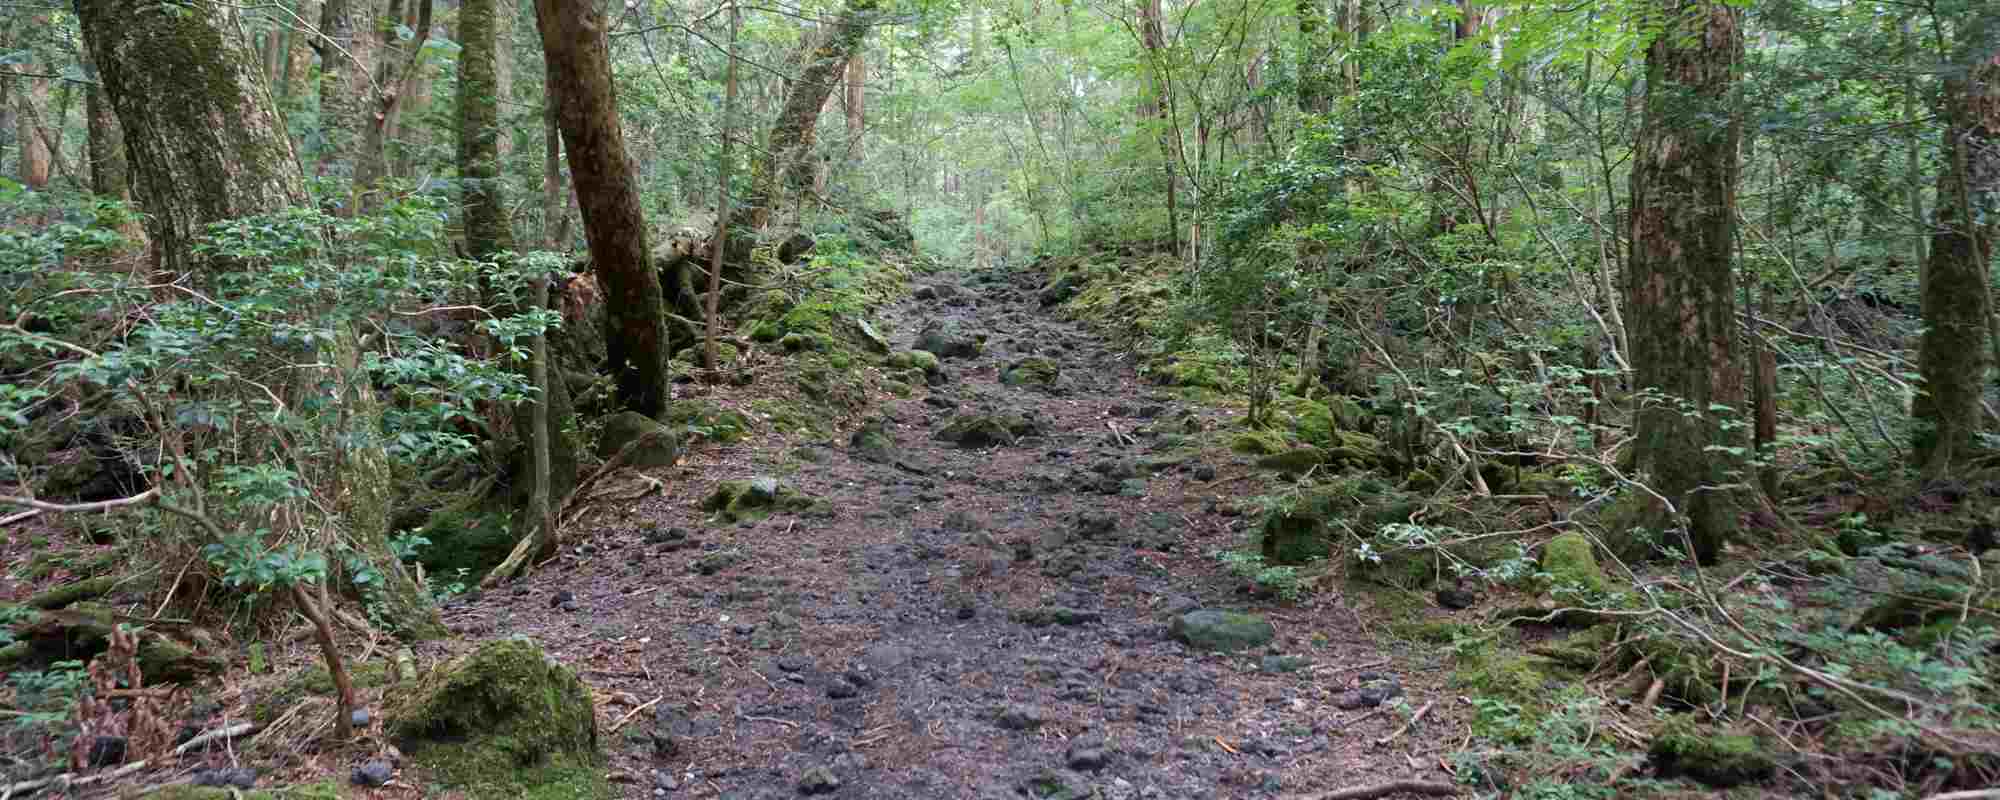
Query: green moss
(323, 790)
(1259, 443)
(786, 416)
(1311, 421)
(315, 682)
(799, 342)
(714, 422)
(503, 721)
(1518, 690)
(1032, 371)
(1571, 564)
(1296, 461)
(1710, 755)
(1431, 631)
(915, 359)
(653, 444)
(758, 498)
(725, 352)
(466, 534)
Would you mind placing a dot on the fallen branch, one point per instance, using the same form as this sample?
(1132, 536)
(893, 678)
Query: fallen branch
(1969, 794)
(1429, 788)
(634, 712)
(234, 731)
(1414, 718)
(68, 780)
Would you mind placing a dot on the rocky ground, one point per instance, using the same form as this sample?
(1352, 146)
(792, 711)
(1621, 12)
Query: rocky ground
(987, 590)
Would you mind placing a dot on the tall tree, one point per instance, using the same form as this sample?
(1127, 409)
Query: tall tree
(787, 159)
(579, 68)
(1680, 290)
(203, 140)
(206, 144)
(1953, 358)
(346, 88)
(857, 102)
(110, 176)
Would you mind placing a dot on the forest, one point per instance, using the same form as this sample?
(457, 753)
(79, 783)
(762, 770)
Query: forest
(1324, 399)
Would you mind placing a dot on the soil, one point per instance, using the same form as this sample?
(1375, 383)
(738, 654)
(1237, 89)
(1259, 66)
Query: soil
(962, 623)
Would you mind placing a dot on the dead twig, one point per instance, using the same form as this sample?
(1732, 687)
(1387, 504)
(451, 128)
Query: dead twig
(1429, 788)
(1414, 719)
(236, 731)
(634, 712)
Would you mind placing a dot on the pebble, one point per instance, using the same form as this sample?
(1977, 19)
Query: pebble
(373, 773)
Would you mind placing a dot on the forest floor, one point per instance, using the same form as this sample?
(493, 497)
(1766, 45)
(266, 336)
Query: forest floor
(971, 622)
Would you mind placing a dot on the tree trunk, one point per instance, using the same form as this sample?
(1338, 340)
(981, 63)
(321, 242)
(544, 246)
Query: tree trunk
(579, 65)
(206, 145)
(298, 57)
(857, 102)
(346, 90)
(787, 158)
(201, 136)
(1680, 286)
(487, 230)
(35, 154)
(109, 175)
(1953, 356)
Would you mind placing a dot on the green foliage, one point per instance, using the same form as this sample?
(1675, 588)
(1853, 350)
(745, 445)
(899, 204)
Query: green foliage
(1282, 580)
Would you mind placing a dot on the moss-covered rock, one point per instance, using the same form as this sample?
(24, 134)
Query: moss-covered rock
(986, 428)
(1311, 421)
(83, 630)
(1528, 685)
(1222, 631)
(1192, 373)
(1570, 561)
(1296, 461)
(652, 444)
(801, 342)
(758, 498)
(324, 790)
(1259, 443)
(469, 534)
(872, 442)
(944, 339)
(713, 422)
(503, 721)
(916, 359)
(1710, 755)
(1033, 371)
(1351, 450)
(725, 354)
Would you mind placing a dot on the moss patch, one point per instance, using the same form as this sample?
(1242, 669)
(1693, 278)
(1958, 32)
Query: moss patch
(316, 682)
(712, 421)
(504, 721)
(324, 790)
(757, 498)
(1259, 443)
(1709, 755)
(1571, 564)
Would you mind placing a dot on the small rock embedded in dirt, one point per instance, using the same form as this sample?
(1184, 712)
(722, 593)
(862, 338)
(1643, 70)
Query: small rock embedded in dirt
(373, 773)
(107, 750)
(1021, 718)
(818, 780)
(1091, 524)
(1374, 690)
(658, 536)
(1087, 754)
(1454, 598)
(1222, 631)
(227, 777)
(839, 689)
(359, 717)
(717, 561)
(1204, 472)
(561, 597)
(664, 781)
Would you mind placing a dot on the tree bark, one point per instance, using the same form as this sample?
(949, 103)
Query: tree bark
(579, 66)
(35, 153)
(202, 138)
(346, 91)
(109, 174)
(712, 313)
(857, 102)
(787, 159)
(1953, 357)
(487, 229)
(298, 57)
(1681, 282)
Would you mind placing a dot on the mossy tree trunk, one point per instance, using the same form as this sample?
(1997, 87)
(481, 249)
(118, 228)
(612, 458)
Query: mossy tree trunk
(110, 176)
(346, 90)
(202, 137)
(1954, 354)
(206, 145)
(1680, 286)
(488, 232)
(579, 66)
(787, 160)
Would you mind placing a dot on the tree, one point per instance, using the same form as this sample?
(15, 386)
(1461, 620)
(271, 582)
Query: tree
(206, 145)
(203, 140)
(787, 159)
(1954, 355)
(1680, 287)
(346, 89)
(579, 67)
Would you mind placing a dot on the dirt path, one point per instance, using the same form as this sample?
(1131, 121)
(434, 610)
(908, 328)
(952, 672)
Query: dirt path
(969, 622)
